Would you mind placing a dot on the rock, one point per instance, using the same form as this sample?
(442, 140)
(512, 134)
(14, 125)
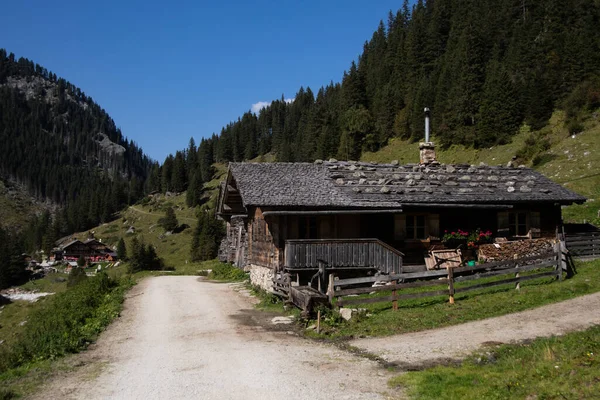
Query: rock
(346, 313)
(318, 161)
(395, 162)
(22, 323)
(333, 160)
(282, 320)
(311, 327)
(510, 189)
(385, 189)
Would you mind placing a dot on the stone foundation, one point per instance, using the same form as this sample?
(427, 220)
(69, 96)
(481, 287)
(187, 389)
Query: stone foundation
(261, 276)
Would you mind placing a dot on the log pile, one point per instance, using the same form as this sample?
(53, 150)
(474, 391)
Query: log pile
(512, 250)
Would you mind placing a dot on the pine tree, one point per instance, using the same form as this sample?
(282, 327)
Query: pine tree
(169, 222)
(121, 250)
(194, 192)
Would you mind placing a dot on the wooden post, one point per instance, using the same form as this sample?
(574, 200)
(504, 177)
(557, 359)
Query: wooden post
(330, 288)
(318, 321)
(559, 260)
(450, 284)
(321, 277)
(395, 301)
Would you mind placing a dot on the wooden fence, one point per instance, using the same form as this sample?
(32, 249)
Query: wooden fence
(346, 295)
(281, 285)
(583, 244)
(342, 254)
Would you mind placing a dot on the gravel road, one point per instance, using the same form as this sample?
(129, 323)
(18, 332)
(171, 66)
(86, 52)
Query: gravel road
(419, 349)
(183, 338)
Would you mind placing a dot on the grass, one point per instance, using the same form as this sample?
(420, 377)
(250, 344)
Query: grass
(566, 367)
(434, 312)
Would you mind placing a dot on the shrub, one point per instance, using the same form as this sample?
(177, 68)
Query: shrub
(575, 127)
(227, 272)
(76, 276)
(66, 322)
(81, 262)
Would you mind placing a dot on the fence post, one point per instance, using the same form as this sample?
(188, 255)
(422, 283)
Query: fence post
(559, 260)
(395, 301)
(450, 284)
(330, 288)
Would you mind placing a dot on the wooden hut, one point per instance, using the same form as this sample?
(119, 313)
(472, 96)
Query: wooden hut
(374, 217)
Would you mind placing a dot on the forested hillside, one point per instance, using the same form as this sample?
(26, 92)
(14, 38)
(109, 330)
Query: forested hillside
(484, 68)
(64, 149)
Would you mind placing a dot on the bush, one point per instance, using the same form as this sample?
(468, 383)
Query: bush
(66, 322)
(76, 276)
(575, 127)
(227, 272)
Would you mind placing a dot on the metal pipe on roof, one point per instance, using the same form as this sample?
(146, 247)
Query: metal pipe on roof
(426, 124)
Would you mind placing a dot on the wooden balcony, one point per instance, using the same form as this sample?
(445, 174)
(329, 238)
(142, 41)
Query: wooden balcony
(303, 254)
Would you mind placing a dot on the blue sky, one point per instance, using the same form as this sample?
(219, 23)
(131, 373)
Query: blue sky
(167, 71)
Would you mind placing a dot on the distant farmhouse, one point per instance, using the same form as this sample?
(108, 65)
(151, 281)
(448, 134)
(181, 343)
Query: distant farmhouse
(92, 250)
(366, 216)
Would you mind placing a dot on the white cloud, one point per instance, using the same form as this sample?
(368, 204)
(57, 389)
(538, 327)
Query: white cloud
(256, 107)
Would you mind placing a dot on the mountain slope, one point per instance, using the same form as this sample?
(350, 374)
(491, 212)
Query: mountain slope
(63, 147)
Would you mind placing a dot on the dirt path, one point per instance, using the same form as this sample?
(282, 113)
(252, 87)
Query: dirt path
(137, 210)
(182, 338)
(415, 350)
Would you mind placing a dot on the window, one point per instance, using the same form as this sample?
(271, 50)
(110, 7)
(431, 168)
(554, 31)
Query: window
(415, 227)
(517, 224)
(307, 228)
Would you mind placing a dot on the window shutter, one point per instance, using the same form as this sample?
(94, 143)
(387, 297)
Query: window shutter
(503, 228)
(535, 224)
(399, 226)
(434, 225)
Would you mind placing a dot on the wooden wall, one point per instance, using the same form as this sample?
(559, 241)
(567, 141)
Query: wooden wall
(262, 239)
(267, 235)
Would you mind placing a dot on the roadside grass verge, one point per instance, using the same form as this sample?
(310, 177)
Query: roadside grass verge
(434, 312)
(61, 324)
(565, 367)
(14, 315)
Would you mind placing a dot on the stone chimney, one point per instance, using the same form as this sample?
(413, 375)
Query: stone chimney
(427, 149)
(427, 153)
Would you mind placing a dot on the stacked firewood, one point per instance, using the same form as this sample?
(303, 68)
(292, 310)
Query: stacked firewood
(512, 250)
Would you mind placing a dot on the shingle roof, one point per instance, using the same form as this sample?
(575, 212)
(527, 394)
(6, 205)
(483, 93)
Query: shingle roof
(371, 185)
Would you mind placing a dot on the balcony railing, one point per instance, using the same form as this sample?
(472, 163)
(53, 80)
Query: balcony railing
(342, 253)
